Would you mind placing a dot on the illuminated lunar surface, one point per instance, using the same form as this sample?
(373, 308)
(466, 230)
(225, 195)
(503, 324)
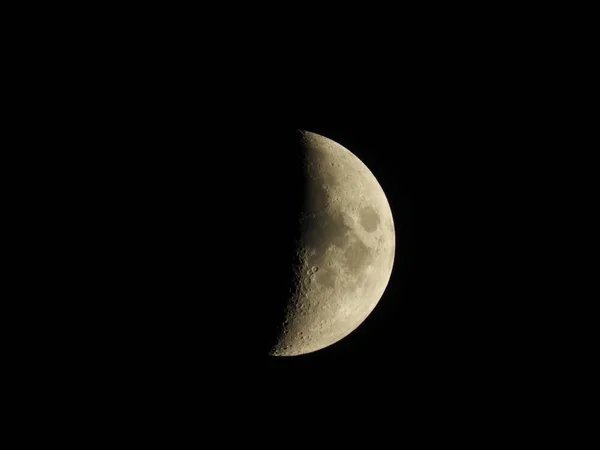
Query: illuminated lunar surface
(345, 253)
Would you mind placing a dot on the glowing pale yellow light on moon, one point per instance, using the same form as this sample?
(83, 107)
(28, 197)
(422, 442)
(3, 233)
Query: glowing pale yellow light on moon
(346, 251)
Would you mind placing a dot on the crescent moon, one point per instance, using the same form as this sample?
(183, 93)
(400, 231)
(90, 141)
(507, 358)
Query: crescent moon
(345, 253)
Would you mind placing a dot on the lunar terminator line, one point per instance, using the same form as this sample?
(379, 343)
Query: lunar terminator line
(345, 253)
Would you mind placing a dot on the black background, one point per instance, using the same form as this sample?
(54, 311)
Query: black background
(197, 247)
(196, 196)
(192, 196)
(168, 196)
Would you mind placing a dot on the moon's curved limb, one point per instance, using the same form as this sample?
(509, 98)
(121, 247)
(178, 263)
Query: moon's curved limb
(346, 251)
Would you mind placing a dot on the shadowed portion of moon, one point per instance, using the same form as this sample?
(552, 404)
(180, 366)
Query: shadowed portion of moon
(214, 245)
(276, 231)
(200, 237)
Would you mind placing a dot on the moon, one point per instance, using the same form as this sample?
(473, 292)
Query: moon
(345, 252)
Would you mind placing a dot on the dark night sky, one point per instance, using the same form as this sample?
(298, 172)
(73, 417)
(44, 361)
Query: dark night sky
(179, 199)
(198, 195)
(210, 208)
